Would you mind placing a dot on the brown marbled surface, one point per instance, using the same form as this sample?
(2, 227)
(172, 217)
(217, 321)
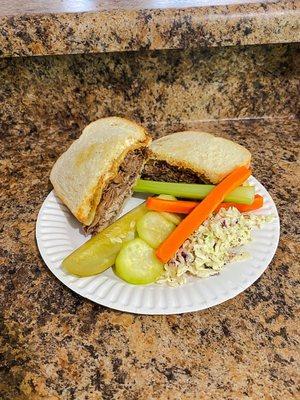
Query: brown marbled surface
(35, 28)
(57, 345)
(66, 92)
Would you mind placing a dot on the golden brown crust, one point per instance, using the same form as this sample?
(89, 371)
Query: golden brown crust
(209, 156)
(82, 172)
(95, 197)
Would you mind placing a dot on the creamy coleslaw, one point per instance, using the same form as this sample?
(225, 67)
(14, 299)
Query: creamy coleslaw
(212, 246)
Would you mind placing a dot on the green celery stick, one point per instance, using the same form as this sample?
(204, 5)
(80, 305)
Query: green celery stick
(241, 195)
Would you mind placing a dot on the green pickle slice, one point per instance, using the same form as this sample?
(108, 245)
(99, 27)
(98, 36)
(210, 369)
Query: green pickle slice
(167, 197)
(100, 252)
(153, 228)
(137, 264)
(172, 217)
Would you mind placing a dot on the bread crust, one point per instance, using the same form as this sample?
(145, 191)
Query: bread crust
(80, 174)
(194, 150)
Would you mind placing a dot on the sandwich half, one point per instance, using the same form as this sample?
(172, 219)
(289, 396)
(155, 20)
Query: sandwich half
(193, 157)
(96, 174)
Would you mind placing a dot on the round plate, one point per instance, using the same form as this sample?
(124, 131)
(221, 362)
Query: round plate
(58, 233)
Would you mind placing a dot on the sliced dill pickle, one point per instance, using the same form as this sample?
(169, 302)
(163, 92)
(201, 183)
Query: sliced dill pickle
(136, 263)
(167, 197)
(172, 217)
(100, 252)
(153, 228)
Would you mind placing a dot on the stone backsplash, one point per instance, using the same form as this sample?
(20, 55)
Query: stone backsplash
(160, 89)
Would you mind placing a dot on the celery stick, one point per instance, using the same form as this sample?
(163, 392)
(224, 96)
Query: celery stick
(241, 195)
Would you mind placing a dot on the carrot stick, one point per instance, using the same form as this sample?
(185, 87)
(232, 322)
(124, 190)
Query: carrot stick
(200, 213)
(185, 207)
(257, 203)
(176, 206)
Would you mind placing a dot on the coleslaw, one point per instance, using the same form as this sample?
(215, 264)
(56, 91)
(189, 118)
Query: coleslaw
(212, 246)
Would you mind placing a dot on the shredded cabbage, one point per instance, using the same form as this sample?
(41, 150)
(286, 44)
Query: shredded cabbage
(212, 246)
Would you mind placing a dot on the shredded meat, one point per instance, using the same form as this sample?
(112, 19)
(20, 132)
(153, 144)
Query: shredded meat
(157, 170)
(118, 190)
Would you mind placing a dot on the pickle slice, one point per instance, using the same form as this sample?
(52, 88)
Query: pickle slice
(172, 217)
(153, 228)
(99, 253)
(137, 264)
(167, 197)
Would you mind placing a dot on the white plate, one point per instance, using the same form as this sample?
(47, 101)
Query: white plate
(58, 234)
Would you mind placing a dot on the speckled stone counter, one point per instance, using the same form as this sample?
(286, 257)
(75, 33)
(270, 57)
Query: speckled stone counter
(56, 345)
(37, 27)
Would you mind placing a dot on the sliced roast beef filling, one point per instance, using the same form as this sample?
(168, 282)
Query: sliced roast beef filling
(158, 170)
(118, 190)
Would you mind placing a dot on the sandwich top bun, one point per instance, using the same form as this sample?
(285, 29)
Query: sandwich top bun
(211, 157)
(82, 172)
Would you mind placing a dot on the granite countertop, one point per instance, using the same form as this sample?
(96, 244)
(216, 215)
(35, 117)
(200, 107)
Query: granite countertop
(57, 345)
(37, 27)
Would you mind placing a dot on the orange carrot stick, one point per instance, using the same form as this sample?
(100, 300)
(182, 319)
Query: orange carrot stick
(185, 207)
(200, 213)
(176, 206)
(258, 202)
